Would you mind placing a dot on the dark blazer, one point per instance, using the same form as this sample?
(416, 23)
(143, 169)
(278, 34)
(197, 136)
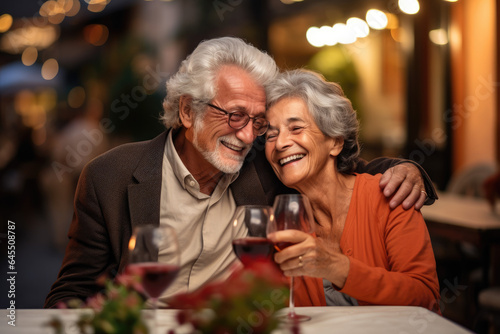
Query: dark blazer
(120, 190)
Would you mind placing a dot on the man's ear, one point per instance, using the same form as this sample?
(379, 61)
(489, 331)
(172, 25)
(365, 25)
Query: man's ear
(186, 113)
(338, 145)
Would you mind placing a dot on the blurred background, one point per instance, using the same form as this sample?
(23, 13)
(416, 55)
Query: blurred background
(80, 77)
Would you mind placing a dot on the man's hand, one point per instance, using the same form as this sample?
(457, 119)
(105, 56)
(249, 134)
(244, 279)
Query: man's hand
(405, 184)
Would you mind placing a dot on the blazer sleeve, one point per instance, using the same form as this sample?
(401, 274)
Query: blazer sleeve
(380, 165)
(87, 251)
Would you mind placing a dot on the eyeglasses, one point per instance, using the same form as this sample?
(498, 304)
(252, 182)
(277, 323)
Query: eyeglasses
(239, 119)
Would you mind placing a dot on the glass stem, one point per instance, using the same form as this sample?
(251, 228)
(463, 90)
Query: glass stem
(154, 323)
(291, 306)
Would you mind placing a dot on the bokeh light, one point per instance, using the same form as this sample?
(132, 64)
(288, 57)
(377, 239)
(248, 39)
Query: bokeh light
(327, 35)
(409, 6)
(5, 22)
(313, 36)
(50, 68)
(96, 34)
(358, 26)
(96, 6)
(29, 56)
(343, 34)
(376, 19)
(76, 97)
(438, 36)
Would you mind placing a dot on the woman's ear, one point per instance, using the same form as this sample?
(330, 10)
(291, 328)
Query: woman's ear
(338, 145)
(186, 113)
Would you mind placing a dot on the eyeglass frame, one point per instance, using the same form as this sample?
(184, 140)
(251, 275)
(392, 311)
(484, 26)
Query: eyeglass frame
(248, 118)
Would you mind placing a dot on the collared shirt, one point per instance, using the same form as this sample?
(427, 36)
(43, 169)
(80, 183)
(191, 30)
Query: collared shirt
(202, 223)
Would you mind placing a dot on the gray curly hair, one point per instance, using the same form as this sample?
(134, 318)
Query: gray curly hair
(197, 74)
(327, 104)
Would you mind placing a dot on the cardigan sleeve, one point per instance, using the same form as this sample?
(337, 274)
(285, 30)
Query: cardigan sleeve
(409, 277)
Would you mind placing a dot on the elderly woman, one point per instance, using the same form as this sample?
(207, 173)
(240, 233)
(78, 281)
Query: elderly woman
(363, 252)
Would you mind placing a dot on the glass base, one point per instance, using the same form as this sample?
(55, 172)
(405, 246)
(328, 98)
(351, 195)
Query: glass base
(292, 317)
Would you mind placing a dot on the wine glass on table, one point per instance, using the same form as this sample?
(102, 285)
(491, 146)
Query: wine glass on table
(154, 257)
(249, 233)
(291, 211)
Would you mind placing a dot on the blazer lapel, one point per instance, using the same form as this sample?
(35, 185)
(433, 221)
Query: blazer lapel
(144, 196)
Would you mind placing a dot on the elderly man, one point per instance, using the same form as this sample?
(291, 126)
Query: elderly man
(193, 175)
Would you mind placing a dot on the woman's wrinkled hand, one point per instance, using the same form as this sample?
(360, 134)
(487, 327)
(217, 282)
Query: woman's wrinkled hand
(310, 256)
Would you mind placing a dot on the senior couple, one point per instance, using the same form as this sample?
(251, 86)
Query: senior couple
(370, 245)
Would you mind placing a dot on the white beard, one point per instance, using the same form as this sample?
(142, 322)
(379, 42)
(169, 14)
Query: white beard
(225, 162)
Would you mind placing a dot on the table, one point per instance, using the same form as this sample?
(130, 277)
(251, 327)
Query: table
(466, 219)
(331, 319)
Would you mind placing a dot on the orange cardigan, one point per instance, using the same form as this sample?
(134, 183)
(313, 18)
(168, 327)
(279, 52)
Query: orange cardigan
(390, 253)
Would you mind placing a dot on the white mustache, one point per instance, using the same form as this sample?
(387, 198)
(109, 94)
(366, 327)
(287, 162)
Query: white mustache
(232, 140)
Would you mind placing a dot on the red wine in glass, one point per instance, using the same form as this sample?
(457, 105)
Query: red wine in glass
(155, 277)
(157, 272)
(249, 226)
(291, 212)
(252, 249)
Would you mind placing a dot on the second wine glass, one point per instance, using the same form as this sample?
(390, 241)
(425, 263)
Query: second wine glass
(249, 233)
(291, 211)
(154, 257)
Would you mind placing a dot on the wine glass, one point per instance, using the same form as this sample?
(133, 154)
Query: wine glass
(154, 257)
(249, 233)
(291, 211)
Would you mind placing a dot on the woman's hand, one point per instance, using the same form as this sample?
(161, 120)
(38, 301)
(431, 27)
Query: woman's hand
(310, 256)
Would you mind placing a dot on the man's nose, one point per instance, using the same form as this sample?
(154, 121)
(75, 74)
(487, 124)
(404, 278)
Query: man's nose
(246, 133)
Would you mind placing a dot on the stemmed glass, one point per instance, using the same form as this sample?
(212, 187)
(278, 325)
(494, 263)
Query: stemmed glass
(249, 233)
(291, 211)
(154, 257)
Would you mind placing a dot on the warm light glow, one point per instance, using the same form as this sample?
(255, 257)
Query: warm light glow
(5, 22)
(35, 117)
(76, 97)
(376, 19)
(96, 34)
(392, 21)
(327, 35)
(30, 54)
(396, 35)
(96, 6)
(23, 102)
(409, 6)
(358, 26)
(438, 36)
(57, 18)
(343, 34)
(33, 108)
(66, 5)
(47, 99)
(39, 135)
(41, 37)
(131, 243)
(75, 8)
(313, 36)
(50, 69)
(51, 8)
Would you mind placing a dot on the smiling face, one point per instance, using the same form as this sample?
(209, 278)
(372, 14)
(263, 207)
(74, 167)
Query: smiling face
(222, 146)
(298, 151)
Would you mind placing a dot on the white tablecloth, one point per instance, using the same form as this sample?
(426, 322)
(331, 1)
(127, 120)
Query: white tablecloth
(349, 320)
